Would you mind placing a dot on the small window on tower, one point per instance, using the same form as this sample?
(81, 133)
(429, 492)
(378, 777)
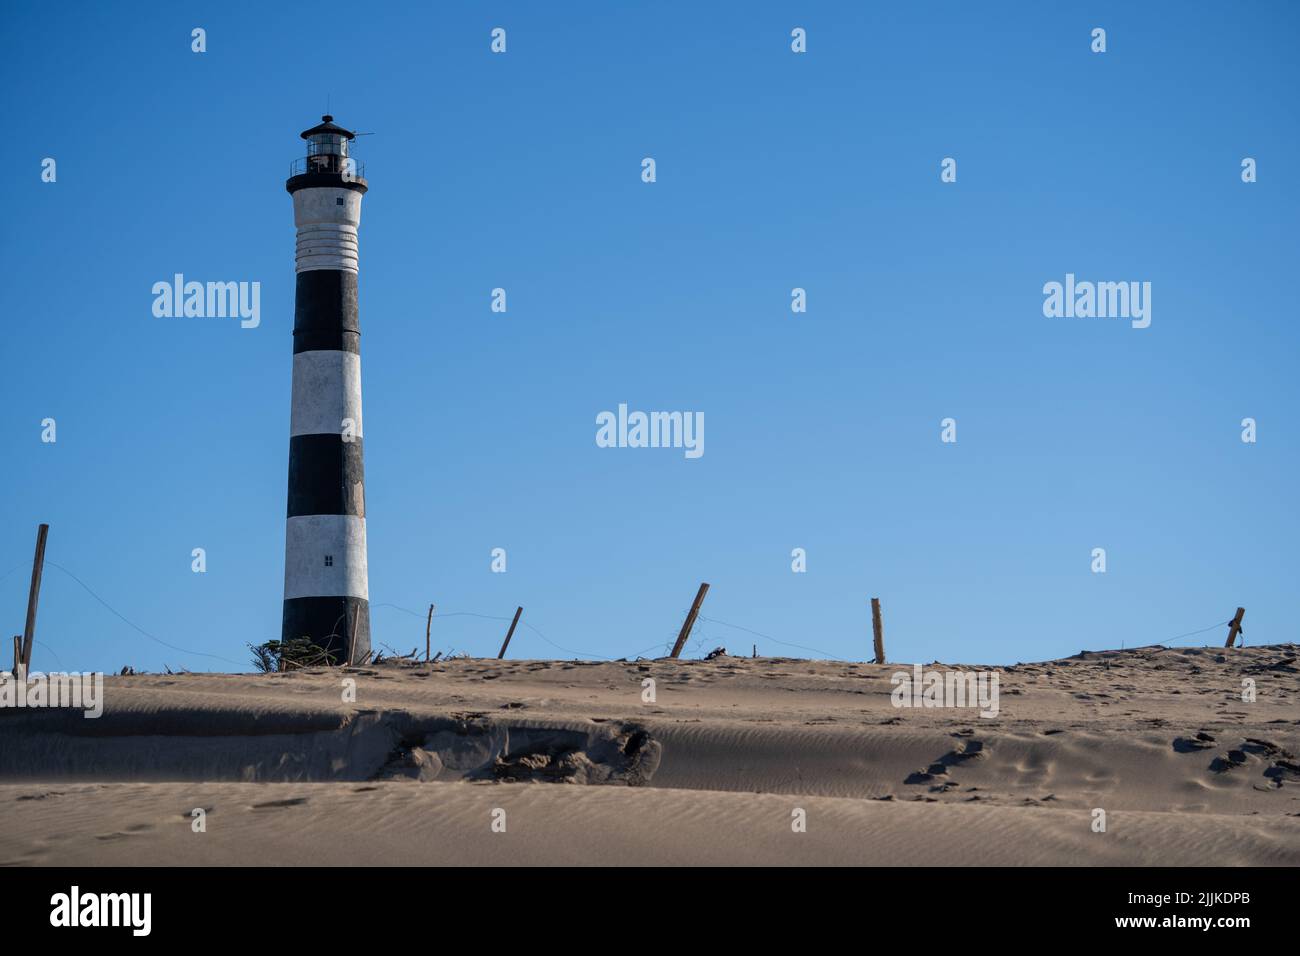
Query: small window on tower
(329, 560)
(338, 201)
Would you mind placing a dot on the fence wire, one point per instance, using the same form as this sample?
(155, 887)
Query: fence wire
(665, 645)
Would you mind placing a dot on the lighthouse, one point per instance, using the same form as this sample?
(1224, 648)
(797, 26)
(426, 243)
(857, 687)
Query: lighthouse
(326, 588)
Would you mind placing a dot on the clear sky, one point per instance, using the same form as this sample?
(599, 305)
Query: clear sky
(775, 170)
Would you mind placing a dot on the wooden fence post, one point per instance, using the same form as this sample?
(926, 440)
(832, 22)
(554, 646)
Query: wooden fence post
(690, 620)
(352, 638)
(510, 633)
(878, 629)
(1234, 626)
(427, 625)
(34, 596)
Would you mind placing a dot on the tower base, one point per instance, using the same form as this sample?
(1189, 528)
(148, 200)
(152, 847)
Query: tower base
(337, 625)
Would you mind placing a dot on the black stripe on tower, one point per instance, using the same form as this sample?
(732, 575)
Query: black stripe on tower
(325, 314)
(326, 476)
(328, 621)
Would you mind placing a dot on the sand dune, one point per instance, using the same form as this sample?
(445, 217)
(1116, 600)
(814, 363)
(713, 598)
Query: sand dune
(450, 823)
(714, 770)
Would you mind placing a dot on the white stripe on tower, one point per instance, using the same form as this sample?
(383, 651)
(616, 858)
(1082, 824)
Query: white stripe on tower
(343, 536)
(326, 589)
(326, 392)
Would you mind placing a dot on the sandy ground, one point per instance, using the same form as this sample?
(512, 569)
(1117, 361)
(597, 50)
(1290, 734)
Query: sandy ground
(553, 762)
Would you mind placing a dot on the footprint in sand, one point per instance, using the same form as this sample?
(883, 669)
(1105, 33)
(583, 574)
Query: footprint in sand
(964, 751)
(124, 833)
(1281, 768)
(1265, 748)
(1283, 771)
(1187, 745)
(1225, 762)
(280, 804)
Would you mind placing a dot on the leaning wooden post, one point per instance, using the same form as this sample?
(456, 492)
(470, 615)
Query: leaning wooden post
(34, 596)
(510, 633)
(878, 629)
(690, 620)
(1234, 626)
(427, 624)
(352, 638)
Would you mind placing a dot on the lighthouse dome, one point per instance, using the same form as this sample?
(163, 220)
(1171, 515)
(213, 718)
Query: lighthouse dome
(327, 127)
(327, 161)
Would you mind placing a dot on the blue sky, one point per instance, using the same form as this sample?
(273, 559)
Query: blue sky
(774, 171)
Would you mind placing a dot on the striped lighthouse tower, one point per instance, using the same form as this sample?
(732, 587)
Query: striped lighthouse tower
(326, 589)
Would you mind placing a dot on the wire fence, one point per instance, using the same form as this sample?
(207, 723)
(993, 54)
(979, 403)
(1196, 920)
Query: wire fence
(699, 636)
